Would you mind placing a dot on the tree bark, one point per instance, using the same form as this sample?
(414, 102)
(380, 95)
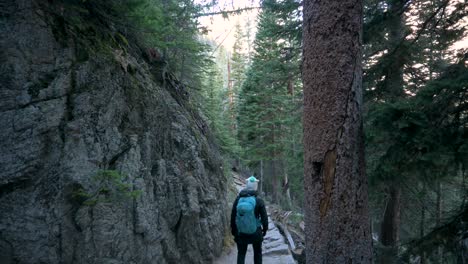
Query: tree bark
(423, 254)
(274, 182)
(438, 205)
(390, 228)
(275, 172)
(421, 226)
(336, 209)
(261, 176)
(285, 188)
(438, 218)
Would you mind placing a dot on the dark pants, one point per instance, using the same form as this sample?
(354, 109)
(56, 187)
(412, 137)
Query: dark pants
(242, 244)
(242, 251)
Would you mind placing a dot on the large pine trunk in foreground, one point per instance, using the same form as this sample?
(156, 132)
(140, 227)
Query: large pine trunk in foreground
(337, 223)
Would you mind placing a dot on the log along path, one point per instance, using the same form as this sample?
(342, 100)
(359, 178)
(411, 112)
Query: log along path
(274, 248)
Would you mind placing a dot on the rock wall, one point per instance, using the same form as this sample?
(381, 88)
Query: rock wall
(66, 115)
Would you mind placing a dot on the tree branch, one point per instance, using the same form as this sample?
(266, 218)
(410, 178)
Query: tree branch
(225, 13)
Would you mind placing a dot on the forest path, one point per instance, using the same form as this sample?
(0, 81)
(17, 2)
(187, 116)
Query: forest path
(274, 248)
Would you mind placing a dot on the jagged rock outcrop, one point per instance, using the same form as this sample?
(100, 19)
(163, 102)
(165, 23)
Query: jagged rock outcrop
(66, 115)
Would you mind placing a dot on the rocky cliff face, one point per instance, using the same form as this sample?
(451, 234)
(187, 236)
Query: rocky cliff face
(69, 116)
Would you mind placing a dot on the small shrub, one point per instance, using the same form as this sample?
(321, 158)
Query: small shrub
(108, 187)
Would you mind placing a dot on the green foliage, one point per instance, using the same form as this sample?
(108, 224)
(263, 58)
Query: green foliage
(269, 107)
(237, 76)
(449, 236)
(214, 105)
(416, 114)
(171, 27)
(107, 186)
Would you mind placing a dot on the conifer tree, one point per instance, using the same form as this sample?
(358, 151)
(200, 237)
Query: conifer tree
(237, 67)
(337, 223)
(215, 106)
(406, 50)
(274, 71)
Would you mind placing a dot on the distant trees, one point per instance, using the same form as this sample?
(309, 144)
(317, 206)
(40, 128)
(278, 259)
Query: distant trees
(237, 65)
(337, 222)
(269, 101)
(171, 27)
(212, 98)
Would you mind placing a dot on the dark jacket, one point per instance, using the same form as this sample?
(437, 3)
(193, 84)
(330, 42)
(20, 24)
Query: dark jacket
(260, 211)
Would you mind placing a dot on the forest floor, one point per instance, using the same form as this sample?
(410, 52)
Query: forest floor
(274, 248)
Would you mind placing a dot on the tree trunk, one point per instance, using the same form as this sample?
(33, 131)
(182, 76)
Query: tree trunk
(438, 205)
(274, 182)
(230, 96)
(261, 176)
(336, 210)
(390, 228)
(421, 226)
(394, 83)
(285, 189)
(275, 171)
(394, 76)
(438, 218)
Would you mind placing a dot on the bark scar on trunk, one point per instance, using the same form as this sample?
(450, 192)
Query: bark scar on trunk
(329, 167)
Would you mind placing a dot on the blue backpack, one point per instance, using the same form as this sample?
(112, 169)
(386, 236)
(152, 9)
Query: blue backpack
(245, 218)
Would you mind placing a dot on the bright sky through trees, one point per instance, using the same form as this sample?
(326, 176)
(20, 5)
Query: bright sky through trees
(221, 29)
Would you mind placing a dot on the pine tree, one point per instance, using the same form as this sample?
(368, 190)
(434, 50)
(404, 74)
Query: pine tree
(213, 104)
(170, 27)
(337, 223)
(237, 67)
(265, 102)
(406, 50)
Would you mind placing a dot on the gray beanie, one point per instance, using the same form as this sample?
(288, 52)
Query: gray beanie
(252, 183)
